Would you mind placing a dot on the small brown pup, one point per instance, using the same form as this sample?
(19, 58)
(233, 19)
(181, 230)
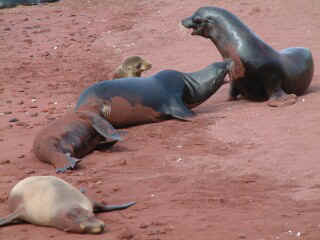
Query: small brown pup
(50, 201)
(132, 67)
(75, 135)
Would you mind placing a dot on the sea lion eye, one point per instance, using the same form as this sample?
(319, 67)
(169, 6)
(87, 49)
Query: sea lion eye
(197, 20)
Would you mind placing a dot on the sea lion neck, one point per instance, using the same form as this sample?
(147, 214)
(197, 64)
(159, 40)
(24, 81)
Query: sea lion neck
(202, 84)
(230, 34)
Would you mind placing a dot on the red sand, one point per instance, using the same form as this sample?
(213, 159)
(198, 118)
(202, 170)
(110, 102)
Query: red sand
(240, 170)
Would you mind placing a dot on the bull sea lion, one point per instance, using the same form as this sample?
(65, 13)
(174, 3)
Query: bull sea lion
(75, 135)
(50, 201)
(166, 94)
(260, 73)
(132, 67)
(14, 3)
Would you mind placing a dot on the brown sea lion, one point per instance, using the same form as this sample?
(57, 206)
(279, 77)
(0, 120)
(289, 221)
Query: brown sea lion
(260, 73)
(50, 201)
(132, 67)
(75, 135)
(167, 94)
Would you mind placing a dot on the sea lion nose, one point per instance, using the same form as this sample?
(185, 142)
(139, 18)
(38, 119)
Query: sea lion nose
(187, 22)
(98, 229)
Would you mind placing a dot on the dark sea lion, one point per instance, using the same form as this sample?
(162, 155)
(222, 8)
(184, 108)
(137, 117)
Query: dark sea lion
(132, 67)
(50, 201)
(166, 94)
(260, 72)
(75, 135)
(14, 3)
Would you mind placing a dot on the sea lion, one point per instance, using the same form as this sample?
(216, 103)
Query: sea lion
(75, 135)
(132, 67)
(166, 94)
(50, 201)
(260, 73)
(14, 3)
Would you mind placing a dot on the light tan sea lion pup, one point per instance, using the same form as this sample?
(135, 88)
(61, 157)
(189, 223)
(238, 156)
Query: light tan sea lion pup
(50, 201)
(132, 67)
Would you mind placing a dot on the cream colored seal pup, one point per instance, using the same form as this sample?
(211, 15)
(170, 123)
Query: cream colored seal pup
(50, 201)
(132, 67)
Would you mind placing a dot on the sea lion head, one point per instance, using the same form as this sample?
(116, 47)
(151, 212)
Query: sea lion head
(135, 65)
(83, 221)
(207, 21)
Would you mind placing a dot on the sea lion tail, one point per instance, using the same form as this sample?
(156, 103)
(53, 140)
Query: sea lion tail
(109, 208)
(12, 218)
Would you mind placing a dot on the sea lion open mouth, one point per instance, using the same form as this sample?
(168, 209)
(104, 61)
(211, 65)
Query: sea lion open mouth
(197, 24)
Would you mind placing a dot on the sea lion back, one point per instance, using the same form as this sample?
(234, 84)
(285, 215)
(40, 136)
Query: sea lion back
(42, 197)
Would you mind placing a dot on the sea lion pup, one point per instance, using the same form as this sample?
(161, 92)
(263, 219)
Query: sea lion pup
(14, 3)
(167, 94)
(50, 201)
(260, 72)
(132, 67)
(75, 135)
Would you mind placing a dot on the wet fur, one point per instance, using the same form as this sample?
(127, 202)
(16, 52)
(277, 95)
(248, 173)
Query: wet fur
(73, 134)
(260, 72)
(167, 94)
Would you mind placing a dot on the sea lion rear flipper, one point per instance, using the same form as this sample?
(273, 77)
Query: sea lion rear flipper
(104, 128)
(178, 110)
(98, 207)
(12, 218)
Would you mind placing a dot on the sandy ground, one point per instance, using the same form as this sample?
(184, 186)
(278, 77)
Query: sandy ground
(240, 170)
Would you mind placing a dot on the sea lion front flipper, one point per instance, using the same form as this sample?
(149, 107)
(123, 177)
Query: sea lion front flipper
(177, 109)
(12, 218)
(104, 128)
(279, 98)
(99, 207)
(72, 164)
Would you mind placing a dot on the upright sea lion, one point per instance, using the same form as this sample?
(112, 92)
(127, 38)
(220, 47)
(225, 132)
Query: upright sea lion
(14, 3)
(50, 201)
(132, 67)
(260, 72)
(75, 135)
(168, 93)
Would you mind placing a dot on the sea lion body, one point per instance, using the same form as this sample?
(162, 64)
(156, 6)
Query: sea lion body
(132, 67)
(166, 94)
(75, 135)
(260, 72)
(50, 201)
(14, 3)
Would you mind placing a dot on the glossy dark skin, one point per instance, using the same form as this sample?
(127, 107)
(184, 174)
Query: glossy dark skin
(260, 73)
(166, 94)
(14, 3)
